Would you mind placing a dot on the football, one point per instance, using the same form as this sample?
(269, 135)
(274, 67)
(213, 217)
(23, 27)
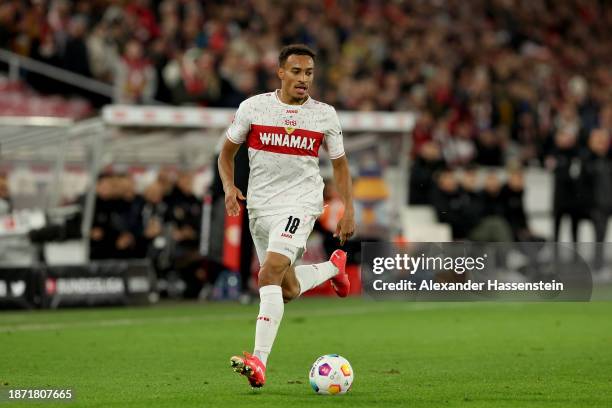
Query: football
(331, 374)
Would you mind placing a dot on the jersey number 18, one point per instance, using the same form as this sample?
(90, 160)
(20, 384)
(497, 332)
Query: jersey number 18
(292, 224)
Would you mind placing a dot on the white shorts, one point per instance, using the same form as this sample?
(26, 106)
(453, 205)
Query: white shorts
(285, 234)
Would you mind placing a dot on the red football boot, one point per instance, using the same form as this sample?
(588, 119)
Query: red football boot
(251, 367)
(340, 282)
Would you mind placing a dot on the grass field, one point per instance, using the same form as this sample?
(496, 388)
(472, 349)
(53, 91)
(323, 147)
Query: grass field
(403, 354)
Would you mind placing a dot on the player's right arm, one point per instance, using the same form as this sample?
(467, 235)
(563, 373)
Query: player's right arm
(235, 136)
(342, 177)
(226, 171)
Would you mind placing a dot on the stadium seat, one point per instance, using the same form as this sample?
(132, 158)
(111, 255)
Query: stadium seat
(428, 233)
(65, 253)
(418, 214)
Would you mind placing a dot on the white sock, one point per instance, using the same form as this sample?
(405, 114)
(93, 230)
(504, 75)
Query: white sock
(310, 276)
(271, 308)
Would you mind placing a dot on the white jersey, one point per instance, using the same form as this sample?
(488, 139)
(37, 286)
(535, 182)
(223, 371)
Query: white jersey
(284, 142)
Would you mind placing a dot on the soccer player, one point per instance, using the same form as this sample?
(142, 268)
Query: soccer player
(284, 130)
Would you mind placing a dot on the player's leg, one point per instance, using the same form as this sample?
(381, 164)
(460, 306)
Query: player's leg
(280, 255)
(290, 235)
(271, 305)
(290, 285)
(302, 278)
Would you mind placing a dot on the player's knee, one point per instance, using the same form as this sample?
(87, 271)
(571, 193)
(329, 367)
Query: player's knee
(290, 293)
(273, 269)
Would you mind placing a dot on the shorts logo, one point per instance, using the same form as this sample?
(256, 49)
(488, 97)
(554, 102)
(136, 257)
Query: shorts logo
(285, 235)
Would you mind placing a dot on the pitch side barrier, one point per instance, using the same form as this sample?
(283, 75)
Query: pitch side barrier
(162, 116)
(109, 282)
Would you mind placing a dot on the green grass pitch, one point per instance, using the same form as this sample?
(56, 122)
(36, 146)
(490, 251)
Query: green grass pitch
(404, 354)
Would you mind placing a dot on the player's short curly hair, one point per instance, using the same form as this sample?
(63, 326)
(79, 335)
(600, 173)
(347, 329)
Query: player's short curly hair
(294, 49)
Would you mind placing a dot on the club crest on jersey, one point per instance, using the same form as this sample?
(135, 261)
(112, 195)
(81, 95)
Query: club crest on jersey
(289, 130)
(295, 141)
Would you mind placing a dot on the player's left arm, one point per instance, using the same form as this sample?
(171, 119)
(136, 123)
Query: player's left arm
(342, 177)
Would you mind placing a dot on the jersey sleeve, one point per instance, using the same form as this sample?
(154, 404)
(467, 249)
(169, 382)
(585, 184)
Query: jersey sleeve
(238, 130)
(333, 137)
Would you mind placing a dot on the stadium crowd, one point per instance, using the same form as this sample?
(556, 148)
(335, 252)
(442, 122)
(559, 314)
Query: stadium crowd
(480, 73)
(582, 180)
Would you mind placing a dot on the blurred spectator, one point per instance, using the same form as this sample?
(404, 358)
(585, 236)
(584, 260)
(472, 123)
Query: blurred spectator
(153, 212)
(485, 227)
(5, 198)
(595, 180)
(151, 238)
(472, 201)
(160, 56)
(192, 78)
(184, 216)
(103, 52)
(135, 76)
(166, 177)
(422, 132)
(103, 237)
(565, 164)
(428, 161)
(605, 118)
(448, 202)
(512, 196)
(140, 13)
(459, 148)
(489, 148)
(76, 54)
(185, 211)
(493, 203)
(127, 208)
(8, 26)
(528, 138)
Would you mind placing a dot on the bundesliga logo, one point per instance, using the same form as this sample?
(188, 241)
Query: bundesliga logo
(285, 140)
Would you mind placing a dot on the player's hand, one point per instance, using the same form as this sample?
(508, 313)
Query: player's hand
(232, 195)
(345, 228)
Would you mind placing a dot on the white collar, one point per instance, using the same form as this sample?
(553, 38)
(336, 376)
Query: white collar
(276, 91)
